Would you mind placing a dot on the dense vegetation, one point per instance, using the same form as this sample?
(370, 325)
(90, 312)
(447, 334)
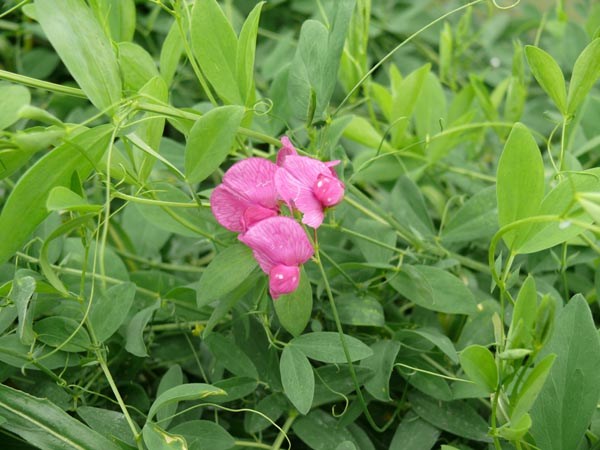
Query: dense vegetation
(451, 298)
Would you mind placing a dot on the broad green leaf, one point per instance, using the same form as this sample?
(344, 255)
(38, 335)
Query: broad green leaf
(456, 417)
(332, 381)
(524, 399)
(136, 64)
(187, 392)
(564, 407)
(172, 378)
(19, 355)
(294, 310)
(273, 406)
(228, 354)
(210, 140)
(405, 94)
(520, 333)
(134, 336)
(346, 445)
(352, 310)
(25, 208)
(107, 423)
(245, 55)
(548, 74)
(297, 378)
(58, 331)
(84, 48)
(516, 430)
(382, 362)
(110, 309)
(117, 18)
(233, 389)
(414, 433)
(585, 73)
(14, 97)
(23, 288)
(224, 273)
(438, 339)
(204, 434)
(326, 346)
(520, 183)
(476, 219)
(430, 109)
(320, 431)
(215, 46)
(479, 365)
(559, 200)
(44, 425)
(63, 199)
(592, 207)
(156, 438)
(434, 289)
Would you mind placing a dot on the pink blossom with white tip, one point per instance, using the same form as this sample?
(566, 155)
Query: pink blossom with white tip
(247, 195)
(280, 246)
(309, 186)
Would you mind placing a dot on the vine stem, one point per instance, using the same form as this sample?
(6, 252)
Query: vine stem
(283, 432)
(338, 325)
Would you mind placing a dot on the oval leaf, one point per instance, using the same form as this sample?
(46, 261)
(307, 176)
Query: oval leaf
(479, 365)
(294, 310)
(547, 72)
(297, 378)
(326, 346)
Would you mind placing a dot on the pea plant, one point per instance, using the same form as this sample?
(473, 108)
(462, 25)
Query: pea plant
(301, 224)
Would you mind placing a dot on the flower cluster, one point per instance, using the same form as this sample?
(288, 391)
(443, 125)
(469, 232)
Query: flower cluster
(248, 202)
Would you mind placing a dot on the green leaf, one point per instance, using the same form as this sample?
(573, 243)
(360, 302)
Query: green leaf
(522, 402)
(520, 183)
(107, 423)
(516, 430)
(134, 337)
(548, 74)
(16, 354)
(170, 53)
(172, 378)
(117, 17)
(320, 431)
(520, 333)
(415, 434)
(187, 392)
(84, 48)
(25, 208)
(585, 73)
(456, 417)
(228, 354)
(564, 407)
(215, 46)
(382, 362)
(438, 339)
(203, 434)
(326, 346)
(210, 140)
(110, 309)
(44, 425)
(353, 310)
(23, 288)
(136, 64)
(56, 331)
(434, 289)
(63, 199)
(158, 439)
(220, 277)
(245, 55)
(294, 310)
(297, 378)
(372, 252)
(479, 365)
(476, 219)
(408, 207)
(14, 97)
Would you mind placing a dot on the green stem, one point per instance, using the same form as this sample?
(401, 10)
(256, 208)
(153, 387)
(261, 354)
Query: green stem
(252, 444)
(39, 84)
(283, 432)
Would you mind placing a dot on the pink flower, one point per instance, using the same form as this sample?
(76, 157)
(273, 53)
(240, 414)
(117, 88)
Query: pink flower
(247, 195)
(287, 148)
(308, 185)
(280, 246)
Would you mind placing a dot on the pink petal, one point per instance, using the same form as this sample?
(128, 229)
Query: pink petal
(283, 280)
(328, 190)
(255, 213)
(228, 208)
(254, 179)
(305, 169)
(278, 240)
(286, 150)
